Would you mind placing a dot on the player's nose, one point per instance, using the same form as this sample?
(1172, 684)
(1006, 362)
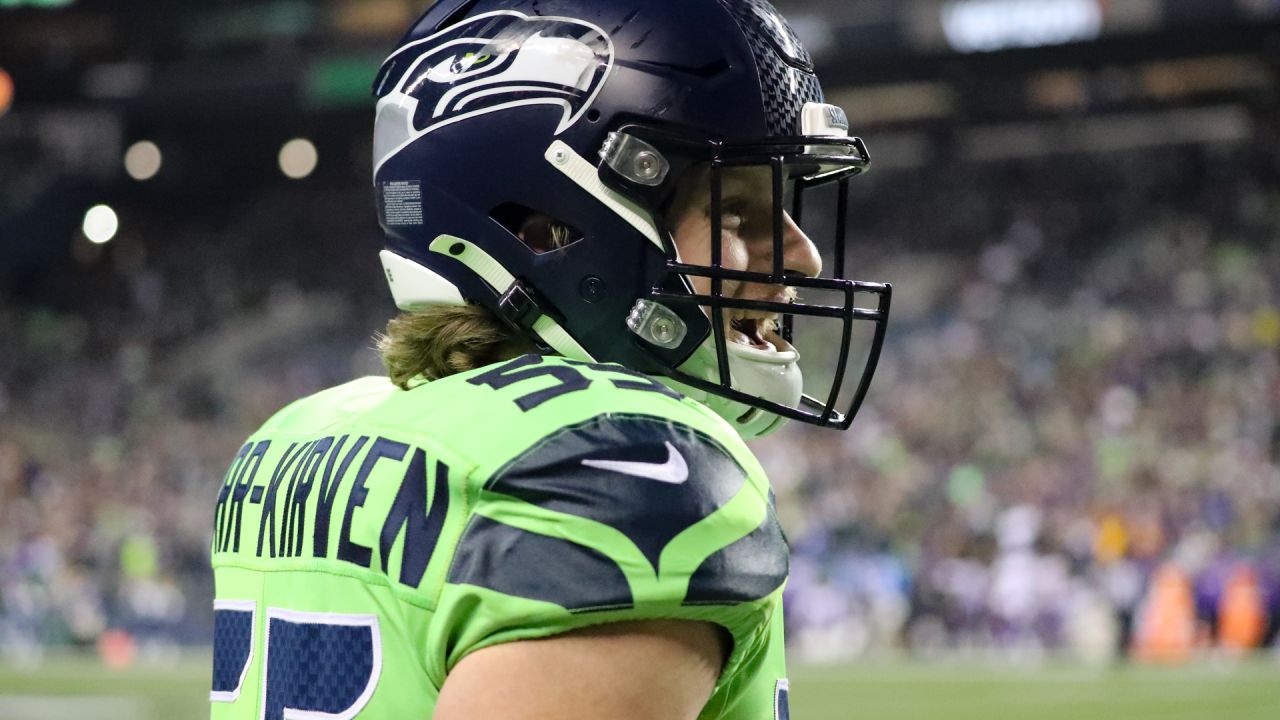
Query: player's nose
(799, 254)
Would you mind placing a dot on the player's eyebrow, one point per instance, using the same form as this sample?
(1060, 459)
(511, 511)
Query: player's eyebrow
(750, 184)
(744, 184)
(745, 178)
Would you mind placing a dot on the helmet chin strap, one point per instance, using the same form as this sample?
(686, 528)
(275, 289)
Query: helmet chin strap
(493, 273)
(413, 285)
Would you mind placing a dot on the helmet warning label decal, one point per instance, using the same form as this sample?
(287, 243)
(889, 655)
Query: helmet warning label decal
(401, 202)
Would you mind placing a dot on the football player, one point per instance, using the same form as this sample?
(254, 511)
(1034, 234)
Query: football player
(548, 509)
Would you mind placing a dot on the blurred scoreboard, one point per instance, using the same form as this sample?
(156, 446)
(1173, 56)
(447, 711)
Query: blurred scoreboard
(988, 25)
(971, 26)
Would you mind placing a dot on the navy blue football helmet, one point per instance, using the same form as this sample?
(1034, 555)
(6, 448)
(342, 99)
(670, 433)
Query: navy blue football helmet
(589, 112)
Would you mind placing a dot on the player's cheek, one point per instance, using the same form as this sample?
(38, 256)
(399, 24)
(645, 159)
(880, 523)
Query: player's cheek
(735, 252)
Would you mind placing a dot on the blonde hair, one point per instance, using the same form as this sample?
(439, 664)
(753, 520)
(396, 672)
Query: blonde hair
(438, 342)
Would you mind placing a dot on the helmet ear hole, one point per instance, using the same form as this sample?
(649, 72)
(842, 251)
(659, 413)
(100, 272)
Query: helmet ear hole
(539, 231)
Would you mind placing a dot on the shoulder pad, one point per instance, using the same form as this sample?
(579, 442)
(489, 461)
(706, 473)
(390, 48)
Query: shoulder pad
(650, 479)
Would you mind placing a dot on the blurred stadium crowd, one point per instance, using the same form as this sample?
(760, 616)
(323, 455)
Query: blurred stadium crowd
(1078, 405)
(1073, 444)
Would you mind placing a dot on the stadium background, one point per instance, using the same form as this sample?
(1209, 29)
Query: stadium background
(1063, 495)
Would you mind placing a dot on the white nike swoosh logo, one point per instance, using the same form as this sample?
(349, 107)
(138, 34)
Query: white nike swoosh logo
(675, 471)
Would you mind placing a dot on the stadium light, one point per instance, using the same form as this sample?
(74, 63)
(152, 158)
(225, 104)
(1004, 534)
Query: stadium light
(6, 91)
(298, 158)
(100, 224)
(36, 3)
(143, 160)
(991, 25)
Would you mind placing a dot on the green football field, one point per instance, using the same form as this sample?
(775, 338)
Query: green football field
(68, 688)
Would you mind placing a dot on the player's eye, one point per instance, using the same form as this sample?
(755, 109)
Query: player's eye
(733, 214)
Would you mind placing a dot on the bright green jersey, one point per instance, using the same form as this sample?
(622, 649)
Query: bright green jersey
(368, 538)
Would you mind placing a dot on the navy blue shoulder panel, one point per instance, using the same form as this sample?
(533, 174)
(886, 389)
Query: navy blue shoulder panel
(746, 570)
(517, 562)
(648, 477)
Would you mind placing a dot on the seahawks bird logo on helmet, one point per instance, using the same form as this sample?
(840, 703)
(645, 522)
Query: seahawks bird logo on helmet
(491, 62)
